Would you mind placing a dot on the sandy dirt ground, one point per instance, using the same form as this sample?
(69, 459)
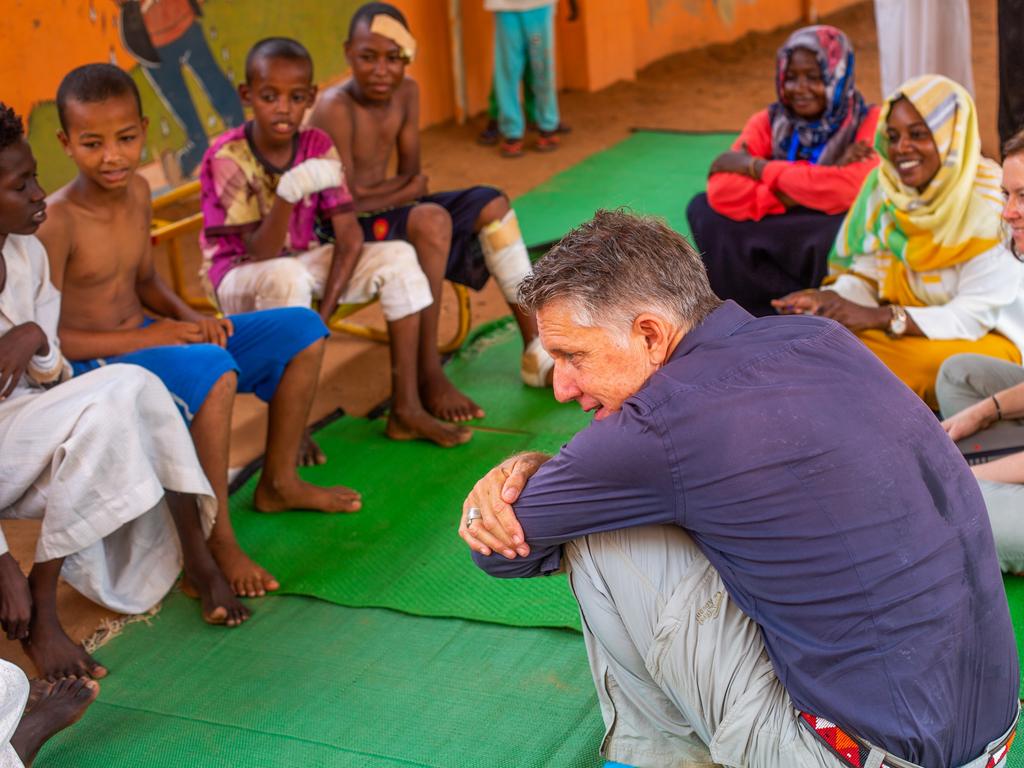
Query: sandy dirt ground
(714, 88)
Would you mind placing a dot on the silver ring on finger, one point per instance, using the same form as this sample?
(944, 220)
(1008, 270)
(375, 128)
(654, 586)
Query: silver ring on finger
(474, 513)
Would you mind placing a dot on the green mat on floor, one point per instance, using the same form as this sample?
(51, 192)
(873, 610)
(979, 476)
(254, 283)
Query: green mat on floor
(651, 172)
(306, 683)
(401, 550)
(1015, 597)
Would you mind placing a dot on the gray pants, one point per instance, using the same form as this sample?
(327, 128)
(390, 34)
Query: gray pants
(963, 381)
(681, 672)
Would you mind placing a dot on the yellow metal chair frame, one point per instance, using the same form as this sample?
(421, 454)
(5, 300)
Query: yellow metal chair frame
(168, 234)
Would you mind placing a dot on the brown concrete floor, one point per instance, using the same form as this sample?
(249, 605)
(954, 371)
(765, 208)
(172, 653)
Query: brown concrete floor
(712, 88)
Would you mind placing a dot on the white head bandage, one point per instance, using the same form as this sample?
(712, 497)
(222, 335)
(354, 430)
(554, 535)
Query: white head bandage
(393, 29)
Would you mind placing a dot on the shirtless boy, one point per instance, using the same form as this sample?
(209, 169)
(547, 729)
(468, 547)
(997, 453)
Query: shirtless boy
(98, 241)
(464, 236)
(90, 456)
(264, 185)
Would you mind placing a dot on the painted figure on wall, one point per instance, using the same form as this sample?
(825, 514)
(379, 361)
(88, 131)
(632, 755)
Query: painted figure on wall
(166, 36)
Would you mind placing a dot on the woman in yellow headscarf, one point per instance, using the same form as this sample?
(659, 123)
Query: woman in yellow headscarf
(919, 271)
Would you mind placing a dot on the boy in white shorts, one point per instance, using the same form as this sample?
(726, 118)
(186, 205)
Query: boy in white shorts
(264, 184)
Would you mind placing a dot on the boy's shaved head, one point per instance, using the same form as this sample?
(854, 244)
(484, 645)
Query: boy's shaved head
(11, 128)
(92, 83)
(365, 13)
(277, 48)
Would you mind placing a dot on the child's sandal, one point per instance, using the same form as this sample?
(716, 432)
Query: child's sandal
(548, 141)
(512, 148)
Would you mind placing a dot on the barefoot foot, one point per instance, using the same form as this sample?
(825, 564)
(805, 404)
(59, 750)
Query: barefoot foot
(295, 493)
(56, 656)
(420, 425)
(36, 690)
(56, 707)
(445, 402)
(246, 577)
(310, 454)
(218, 601)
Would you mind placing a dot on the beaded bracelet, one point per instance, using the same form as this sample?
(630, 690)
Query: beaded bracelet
(999, 411)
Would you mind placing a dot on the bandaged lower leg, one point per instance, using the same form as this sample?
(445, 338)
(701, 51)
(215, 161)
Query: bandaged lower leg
(505, 254)
(508, 261)
(536, 366)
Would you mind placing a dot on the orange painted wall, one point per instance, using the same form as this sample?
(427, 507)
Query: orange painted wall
(663, 27)
(611, 40)
(41, 40)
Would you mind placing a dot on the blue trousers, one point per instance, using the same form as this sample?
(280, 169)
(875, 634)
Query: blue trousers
(258, 351)
(521, 39)
(191, 50)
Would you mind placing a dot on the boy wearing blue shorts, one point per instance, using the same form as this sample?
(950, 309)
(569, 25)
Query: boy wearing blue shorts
(117, 309)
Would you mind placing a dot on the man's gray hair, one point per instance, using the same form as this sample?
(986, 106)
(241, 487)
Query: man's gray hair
(618, 265)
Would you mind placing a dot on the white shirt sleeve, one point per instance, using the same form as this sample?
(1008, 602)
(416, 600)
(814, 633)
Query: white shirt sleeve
(50, 368)
(858, 289)
(980, 288)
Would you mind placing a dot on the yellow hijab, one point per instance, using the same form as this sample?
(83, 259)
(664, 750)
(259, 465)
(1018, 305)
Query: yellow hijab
(955, 218)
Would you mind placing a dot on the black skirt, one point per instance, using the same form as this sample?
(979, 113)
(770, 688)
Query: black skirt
(753, 262)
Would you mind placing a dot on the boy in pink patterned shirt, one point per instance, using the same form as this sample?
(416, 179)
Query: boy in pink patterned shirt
(243, 185)
(264, 185)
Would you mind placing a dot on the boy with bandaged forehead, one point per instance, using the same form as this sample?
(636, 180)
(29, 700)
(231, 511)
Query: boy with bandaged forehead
(464, 236)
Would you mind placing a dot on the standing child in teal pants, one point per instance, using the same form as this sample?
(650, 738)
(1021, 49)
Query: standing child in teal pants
(524, 37)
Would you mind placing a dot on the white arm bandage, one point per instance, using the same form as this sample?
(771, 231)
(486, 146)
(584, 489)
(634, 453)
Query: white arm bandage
(309, 177)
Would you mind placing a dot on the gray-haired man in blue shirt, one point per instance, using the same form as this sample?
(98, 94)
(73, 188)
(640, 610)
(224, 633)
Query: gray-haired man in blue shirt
(780, 558)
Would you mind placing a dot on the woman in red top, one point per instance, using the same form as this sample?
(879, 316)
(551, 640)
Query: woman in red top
(775, 202)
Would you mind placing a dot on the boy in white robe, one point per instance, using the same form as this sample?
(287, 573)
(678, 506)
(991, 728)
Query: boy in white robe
(101, 459)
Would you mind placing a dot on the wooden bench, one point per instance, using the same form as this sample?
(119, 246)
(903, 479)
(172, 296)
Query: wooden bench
(169, 233)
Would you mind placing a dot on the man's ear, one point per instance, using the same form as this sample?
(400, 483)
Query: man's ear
(312, 94)
(656, 335)
(145, 125)
(244, 94)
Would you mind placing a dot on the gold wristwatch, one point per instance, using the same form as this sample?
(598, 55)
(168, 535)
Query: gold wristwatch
(898, 322)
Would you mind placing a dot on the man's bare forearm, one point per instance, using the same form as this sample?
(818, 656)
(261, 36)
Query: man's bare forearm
(157, 297)
(343, 264)
(1009, 469)
(268, 239)
(78, 344)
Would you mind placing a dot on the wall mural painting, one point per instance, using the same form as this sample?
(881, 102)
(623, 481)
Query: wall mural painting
(166, 36)
(186, 56)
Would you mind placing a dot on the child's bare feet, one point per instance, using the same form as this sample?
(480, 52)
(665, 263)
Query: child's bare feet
(246, 577)
(419, 425)
(310, 454)
(444, 401)
(218, 601)
(56, 706)
(295, 493)
(15, 599)
(55, 655)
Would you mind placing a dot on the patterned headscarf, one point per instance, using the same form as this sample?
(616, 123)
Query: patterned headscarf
(824, 140)
(955, 218)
